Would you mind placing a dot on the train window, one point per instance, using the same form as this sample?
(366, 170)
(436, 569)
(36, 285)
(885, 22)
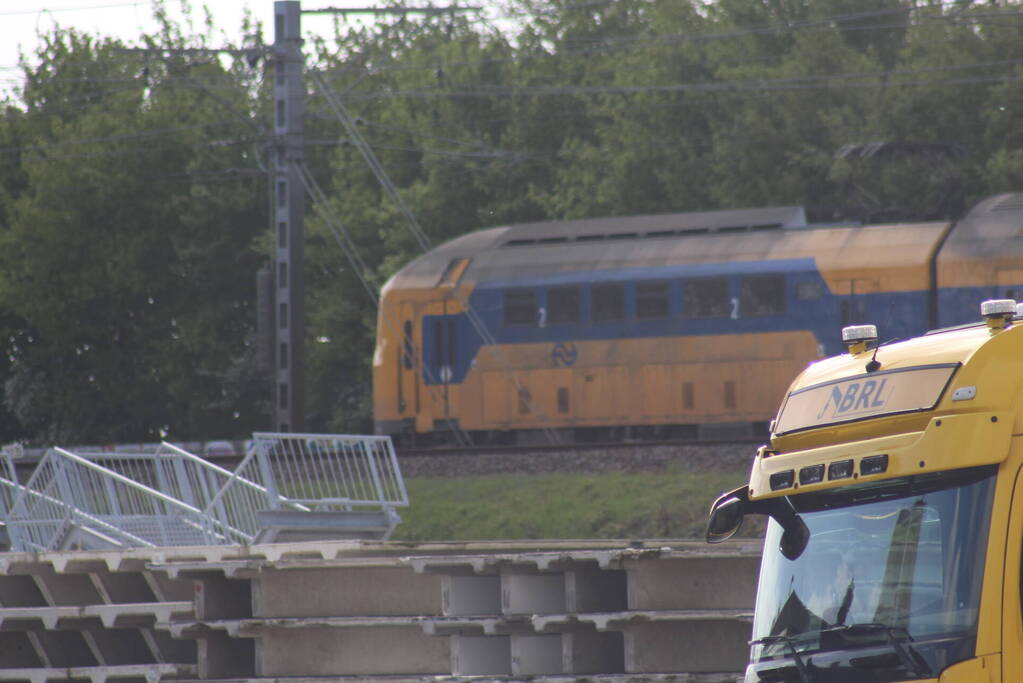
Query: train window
(688, 396)
(763, 295)
(524, 401)
(705, 297)
(440, 344)
(563, 400)
(608, 303)
(652, 300)
(451, 275)
(519, 307)
(853, 312)
(407, 350)
(806, 291)
(563, 305)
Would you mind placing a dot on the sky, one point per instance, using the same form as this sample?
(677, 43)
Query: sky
(22, 20)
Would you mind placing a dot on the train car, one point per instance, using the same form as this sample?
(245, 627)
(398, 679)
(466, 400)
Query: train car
(677, 325)
(981, 259)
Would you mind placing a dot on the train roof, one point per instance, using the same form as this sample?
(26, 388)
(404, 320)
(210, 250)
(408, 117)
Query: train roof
(988, 239)
(542, 250)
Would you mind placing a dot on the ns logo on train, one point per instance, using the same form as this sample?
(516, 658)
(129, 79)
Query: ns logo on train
(564, 354)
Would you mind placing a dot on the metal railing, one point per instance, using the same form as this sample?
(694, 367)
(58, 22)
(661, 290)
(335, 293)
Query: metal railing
(173, 497)
(327, 472)
(351, 482)
(69, 499)
(8, 484)
(229, 500)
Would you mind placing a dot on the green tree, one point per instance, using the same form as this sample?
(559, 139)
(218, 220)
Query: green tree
(128, 264)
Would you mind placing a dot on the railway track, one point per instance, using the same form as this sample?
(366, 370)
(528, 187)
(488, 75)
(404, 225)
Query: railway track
(570, 448)
(492, 459)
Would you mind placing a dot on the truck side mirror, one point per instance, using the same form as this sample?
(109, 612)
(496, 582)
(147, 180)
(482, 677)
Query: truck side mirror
(728, 511)
(726, 515)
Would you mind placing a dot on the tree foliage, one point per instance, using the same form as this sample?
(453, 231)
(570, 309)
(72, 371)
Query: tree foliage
(133, 207)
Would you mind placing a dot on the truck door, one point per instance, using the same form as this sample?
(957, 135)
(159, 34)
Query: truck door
(1012, 589)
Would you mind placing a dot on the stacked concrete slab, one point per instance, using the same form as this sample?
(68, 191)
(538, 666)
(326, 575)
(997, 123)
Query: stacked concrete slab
(660, 610)
(671, 611)
(90, 616)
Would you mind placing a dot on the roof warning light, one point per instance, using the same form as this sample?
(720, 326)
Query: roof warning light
(858, 337)
(998, 312)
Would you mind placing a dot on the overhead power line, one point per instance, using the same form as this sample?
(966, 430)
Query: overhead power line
(54, 10)
(402, 11)
(573, 48)
(813, 82)
(341, 235)
(374, 164)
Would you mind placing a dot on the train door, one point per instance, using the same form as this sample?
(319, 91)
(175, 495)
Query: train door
(442, 355)
(408, 363)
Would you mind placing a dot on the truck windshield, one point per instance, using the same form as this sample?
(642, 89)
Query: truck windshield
(888, 588)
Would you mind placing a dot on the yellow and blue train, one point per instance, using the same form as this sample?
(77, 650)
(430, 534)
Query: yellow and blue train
(686, 325)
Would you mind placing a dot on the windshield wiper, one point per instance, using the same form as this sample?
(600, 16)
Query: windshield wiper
(789, 641)
(907, 654)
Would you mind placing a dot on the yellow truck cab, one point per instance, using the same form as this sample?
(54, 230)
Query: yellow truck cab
(894, 490)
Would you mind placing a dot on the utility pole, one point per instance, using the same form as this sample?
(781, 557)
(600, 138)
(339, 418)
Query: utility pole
(289, 210)
(288, 194)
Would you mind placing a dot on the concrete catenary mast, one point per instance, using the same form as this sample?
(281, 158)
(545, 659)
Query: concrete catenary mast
(289, 209)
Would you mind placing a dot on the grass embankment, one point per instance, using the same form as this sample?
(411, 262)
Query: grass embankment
(667, 504)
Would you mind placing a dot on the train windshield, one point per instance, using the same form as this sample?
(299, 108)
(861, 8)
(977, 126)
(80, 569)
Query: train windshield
(888, 587)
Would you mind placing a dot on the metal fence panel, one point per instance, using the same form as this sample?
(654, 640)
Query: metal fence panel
(68, 495)
(331, 472)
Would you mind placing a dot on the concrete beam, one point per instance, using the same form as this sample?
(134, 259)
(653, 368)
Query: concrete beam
(20, 591)
(115, 647)
(536, 655)
(167, 589)
(595, 590)
(48, 618)
(694, 647)
(471, 595)
(100, 674)
(62, 649)
(532, 593)
(397, 650)
(66, 589)
(140, 614)
(219, 656)
(220, 598)
(477, 626)
(168, 650)
(592, 653)
(122, 587)
(693, 582)
(481, 655)
(353, 591)
(19, 650)
(92, 617)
